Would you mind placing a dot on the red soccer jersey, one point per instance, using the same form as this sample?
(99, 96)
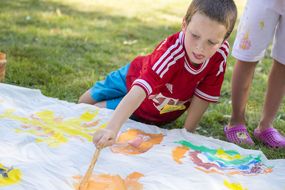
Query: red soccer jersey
(170, 80)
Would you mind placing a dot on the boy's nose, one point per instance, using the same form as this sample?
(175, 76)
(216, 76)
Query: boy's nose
(200, 47)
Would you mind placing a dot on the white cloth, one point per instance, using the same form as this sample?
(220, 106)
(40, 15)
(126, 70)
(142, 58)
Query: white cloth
(49, 142)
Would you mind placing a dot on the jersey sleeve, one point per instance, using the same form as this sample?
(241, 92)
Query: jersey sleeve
(209, 88)
(160, 66)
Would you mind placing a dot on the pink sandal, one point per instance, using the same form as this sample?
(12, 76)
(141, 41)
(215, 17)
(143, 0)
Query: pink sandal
(238, 134)
(270, 137)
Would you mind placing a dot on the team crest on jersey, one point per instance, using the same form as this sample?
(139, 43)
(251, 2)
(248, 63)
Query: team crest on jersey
(165, 104)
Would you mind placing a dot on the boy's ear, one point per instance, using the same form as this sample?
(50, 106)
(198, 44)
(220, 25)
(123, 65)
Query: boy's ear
(184, 25)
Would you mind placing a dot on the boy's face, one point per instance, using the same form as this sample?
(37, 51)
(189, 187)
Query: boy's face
(203, 37)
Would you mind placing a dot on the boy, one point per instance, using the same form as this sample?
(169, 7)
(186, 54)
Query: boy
(184, 72)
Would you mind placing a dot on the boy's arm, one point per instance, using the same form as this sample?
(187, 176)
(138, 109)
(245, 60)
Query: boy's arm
(195, 111)
(127, 106)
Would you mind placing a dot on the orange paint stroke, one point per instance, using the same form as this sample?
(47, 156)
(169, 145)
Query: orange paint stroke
(113, 182)
(178, 153)
(135, 141)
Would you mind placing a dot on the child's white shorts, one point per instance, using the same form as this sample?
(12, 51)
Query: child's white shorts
(262, 22)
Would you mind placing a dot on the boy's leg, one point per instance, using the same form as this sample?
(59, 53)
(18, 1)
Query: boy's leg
(274, 95)
(109, 92)
(86, 98)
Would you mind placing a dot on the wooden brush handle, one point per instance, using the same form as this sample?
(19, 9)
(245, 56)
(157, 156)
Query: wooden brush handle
(87, 175)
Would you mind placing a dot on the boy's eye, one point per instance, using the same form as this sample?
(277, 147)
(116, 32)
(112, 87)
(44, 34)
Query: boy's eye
(211, 43)
(195, 36)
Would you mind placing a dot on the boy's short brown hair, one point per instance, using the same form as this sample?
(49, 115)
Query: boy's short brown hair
(222, 11)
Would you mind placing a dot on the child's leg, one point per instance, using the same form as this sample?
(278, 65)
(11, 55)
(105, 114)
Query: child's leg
(275, 92)
(109, 92)
(276, 80)
(86, 98)
(241, 82)
(236, 131)
(274, 95)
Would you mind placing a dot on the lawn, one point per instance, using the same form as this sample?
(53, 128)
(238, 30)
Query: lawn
(63, 46)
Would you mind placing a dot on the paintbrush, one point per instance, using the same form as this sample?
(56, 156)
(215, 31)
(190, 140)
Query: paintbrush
(85, 179)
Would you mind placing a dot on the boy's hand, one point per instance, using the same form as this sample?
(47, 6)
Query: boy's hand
(104, 137)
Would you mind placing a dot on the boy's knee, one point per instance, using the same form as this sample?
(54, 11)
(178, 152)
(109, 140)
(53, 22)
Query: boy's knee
(86, 98)
(81, 99)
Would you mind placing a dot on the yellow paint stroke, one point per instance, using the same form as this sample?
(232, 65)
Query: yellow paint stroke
(135, 141)
(54, 130)
(261, 24)
(245, 42)
(113, 182)
(87, 116)
(223, 155)
(14, 176)
(234, 186)
(170, 108)
(178, 153)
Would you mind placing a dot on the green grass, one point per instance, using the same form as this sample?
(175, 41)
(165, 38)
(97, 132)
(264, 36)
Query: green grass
(63, 46)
